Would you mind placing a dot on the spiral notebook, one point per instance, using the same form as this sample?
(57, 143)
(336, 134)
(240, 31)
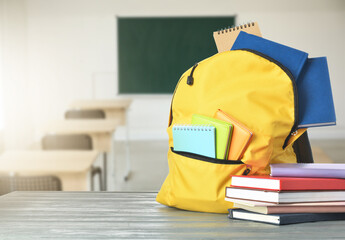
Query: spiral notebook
(223, 133)
(225, 38)
(197, 139)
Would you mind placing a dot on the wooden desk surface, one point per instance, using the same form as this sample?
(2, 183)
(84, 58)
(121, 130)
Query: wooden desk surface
(107, 215)
(102, 104)
(48, 162)
(85, 126)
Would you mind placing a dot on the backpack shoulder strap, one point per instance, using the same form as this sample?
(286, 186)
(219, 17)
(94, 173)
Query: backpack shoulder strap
(302, 149)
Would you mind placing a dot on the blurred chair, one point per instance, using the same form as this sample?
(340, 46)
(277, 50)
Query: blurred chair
(89, 114)
(67, 142)
(29, 183)
(85, 114)
(72, 142)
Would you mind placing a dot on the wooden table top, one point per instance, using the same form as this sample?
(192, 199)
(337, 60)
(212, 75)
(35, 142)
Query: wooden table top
(38, 161)
(84, 126)
(117, 215)
(102, 104)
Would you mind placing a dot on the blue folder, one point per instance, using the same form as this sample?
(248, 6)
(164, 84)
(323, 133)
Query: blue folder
(196, 139)
(291, 58)
(315, 100)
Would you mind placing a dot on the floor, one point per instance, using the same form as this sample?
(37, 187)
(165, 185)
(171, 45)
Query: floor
(150, 166)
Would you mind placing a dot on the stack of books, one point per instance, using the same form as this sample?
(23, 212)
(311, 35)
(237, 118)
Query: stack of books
(289, 196)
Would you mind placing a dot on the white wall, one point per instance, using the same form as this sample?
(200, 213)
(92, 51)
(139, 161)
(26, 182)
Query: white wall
(58, 51)
(2, 46)
(15, 81)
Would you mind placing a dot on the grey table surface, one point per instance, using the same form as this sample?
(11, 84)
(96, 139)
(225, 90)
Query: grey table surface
(120, 215)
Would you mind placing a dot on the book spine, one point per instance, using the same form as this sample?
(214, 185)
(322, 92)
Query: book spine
(302, 172)
(311, 217)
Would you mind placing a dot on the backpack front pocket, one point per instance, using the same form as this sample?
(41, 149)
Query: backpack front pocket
(199, 182)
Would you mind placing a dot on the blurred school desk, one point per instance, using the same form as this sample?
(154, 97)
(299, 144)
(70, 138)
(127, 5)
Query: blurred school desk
(100, 130)
(116, 109)
(116, 215)
(71, 167)
(113, 108)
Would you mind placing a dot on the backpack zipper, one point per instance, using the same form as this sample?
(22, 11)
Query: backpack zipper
(190, 79)
(206, 159)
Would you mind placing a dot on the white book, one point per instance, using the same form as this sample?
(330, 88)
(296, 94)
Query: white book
(285, 197)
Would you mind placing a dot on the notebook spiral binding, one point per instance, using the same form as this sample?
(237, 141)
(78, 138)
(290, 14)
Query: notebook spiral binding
(236, 28)
(186, 127)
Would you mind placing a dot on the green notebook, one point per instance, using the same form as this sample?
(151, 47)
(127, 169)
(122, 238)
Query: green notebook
(223, 133)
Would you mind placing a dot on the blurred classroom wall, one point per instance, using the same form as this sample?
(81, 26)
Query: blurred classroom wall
(55, 51)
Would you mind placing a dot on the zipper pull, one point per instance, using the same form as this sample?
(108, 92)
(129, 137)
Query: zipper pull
(247, 171)
(190, 79)
(294, 133)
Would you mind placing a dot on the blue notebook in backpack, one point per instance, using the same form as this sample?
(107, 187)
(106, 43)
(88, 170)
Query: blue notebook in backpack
(197, 139)
(315, 100)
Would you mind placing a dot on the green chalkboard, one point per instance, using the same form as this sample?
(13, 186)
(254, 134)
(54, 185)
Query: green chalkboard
(153, 52)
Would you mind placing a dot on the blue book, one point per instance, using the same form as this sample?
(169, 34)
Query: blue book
(291, 58)
(196, 139)
(315, 100)
(284, 218)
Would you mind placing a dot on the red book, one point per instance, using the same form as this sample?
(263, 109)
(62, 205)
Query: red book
(287, 183)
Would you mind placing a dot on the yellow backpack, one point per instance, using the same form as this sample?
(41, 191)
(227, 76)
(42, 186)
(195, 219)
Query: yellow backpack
(257, 91)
